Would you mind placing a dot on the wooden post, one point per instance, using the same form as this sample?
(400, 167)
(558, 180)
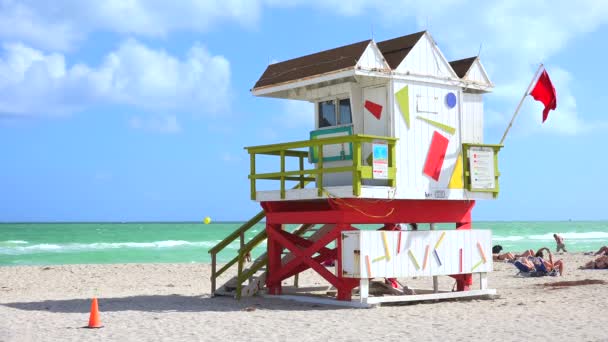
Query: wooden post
(356, 165)
(301, 174)
(213, 266)
(282, 174)
(252, 174)
(274, 259)
(435, 279)
(320, 174)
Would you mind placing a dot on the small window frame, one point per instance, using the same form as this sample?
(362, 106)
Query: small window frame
(337, 115)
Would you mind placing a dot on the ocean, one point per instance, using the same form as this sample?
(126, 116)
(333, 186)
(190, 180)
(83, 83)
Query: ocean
(82, 243)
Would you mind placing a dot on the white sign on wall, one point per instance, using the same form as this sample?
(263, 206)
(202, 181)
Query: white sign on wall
(380, 161)
(481, 168)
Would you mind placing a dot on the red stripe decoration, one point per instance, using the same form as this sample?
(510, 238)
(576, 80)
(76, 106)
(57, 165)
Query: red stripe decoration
(436, 155)
(460, 268)
(374, 108)
(399, 243)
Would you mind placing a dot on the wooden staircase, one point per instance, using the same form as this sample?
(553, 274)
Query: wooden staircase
(251, 277)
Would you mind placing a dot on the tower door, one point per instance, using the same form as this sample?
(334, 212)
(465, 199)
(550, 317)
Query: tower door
(375, 122)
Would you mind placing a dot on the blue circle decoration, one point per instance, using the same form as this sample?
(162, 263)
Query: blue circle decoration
(450, 100)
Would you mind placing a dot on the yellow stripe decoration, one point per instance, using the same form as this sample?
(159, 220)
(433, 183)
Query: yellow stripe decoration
(476, 265)
(379, 258)
(440, 240)
(403, 100)
(387, 251)
(439, 125)
(456, 181)
(409, 251)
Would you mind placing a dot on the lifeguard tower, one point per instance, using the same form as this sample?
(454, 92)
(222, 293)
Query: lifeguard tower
(398, 139)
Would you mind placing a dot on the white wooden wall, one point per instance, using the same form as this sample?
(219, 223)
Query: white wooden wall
(389, 257)
(472, 115)
(414, 142)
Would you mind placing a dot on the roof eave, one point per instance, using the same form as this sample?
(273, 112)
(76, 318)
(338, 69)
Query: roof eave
(303, 82)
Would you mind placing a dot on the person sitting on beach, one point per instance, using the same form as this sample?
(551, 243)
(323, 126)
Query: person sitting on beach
(600, 263)
(602, 251)
(550, 265)
(560, 243)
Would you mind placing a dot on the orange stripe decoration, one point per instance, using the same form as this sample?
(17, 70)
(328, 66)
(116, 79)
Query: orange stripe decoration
(387, 251)
(413, 257)
(426, 257)
(399, 243)
(368, 266)
(460, 267)
(483, 255)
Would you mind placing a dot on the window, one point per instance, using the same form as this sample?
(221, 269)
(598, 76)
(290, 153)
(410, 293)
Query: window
(335, 113)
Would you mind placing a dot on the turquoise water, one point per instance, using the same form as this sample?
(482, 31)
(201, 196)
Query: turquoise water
(77, 243)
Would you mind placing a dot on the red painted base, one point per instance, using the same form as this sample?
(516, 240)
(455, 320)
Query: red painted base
(343, 213)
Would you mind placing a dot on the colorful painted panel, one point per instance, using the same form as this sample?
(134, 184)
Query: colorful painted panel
(456, 181)
(420, 253)
(403, 100)
(436, 155)
(374, 108)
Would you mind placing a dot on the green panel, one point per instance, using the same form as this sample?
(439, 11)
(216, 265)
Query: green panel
(403, 100)
(314, 150)
(439, 125)
(467, 171)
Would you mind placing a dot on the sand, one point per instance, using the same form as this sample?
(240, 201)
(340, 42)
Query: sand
(171, 302)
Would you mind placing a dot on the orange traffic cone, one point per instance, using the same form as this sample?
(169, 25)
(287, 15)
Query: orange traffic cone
(94, 321)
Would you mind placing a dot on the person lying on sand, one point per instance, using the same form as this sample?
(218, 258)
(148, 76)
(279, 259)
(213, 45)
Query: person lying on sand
(508, 256)
(602, 251)
(601, 263)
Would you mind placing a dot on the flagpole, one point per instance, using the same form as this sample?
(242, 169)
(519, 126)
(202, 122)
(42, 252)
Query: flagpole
(520, 103)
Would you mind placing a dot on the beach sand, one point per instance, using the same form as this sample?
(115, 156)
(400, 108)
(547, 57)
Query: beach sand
(171, 302)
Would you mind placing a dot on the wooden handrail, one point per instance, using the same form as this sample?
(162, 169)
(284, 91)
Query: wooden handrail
(239, 233)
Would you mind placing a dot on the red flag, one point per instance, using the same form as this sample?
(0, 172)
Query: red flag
(545, 92)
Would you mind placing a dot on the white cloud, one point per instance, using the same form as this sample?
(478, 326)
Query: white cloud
(35, 83)
(159, 124)
(60, 24)
(515, 35)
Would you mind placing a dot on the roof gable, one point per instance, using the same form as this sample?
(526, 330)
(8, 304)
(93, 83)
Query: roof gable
(395, 50)
(470, 69)
(314, 64)
(423, 58)
(462, 66)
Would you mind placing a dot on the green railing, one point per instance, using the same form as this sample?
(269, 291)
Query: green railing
(358, 169)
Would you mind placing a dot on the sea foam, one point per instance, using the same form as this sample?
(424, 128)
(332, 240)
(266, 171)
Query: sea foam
(80, 247)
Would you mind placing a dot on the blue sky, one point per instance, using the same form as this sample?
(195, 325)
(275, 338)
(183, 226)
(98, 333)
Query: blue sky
(139, 110)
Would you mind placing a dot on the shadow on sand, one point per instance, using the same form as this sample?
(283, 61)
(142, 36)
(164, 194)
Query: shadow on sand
(168, 303)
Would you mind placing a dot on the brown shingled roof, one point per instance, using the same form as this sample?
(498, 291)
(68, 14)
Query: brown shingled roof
(314, 64)
(396, 49)
(462, 66)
